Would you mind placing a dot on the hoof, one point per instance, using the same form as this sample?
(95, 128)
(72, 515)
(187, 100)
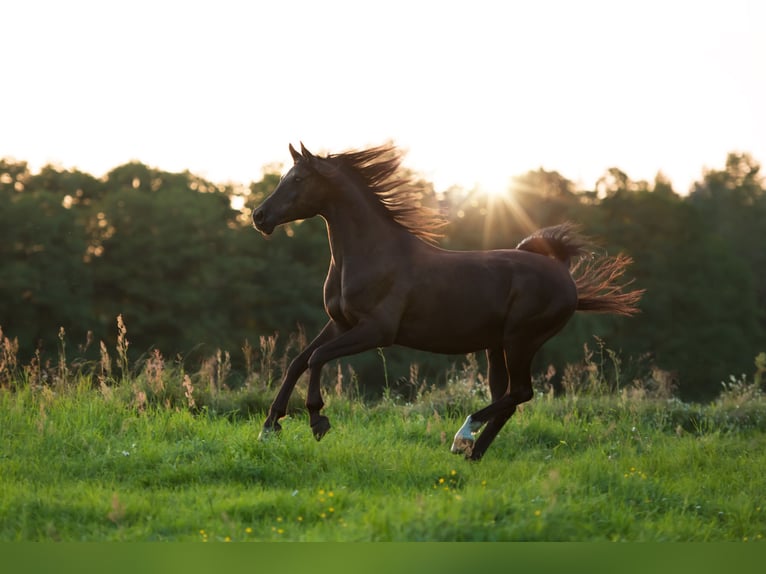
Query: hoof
(269, 431)
(320, 427)
(462, 445)
(464, 440)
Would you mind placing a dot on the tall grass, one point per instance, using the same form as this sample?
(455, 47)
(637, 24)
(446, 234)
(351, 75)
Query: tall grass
(151, 451)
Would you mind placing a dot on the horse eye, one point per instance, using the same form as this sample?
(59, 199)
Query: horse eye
(298, 179)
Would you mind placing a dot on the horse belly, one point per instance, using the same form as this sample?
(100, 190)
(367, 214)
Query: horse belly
(452, 325)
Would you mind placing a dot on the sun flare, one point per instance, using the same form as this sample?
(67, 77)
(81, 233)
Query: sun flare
(495, 189)
(503, 210)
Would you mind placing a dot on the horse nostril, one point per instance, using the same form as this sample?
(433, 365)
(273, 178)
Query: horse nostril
(258, 217)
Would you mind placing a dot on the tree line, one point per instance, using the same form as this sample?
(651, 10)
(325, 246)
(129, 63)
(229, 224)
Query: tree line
(170, 254)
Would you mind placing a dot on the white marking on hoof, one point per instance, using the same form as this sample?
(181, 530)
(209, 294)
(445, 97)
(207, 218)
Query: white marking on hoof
(463, 441)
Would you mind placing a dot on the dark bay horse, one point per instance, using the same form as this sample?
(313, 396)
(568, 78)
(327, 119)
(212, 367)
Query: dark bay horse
(388, 283)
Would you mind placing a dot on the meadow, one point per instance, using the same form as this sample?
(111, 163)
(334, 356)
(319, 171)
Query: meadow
(153, 453)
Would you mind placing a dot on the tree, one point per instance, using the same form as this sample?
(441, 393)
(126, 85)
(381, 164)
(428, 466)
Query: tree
(699, 311)
(732, 203)
(159, 259)
(44, 282)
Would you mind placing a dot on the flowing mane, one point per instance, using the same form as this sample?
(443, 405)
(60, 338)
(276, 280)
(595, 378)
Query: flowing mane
(379, 170)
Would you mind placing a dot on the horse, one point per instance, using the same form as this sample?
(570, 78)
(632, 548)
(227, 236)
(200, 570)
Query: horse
(389, 283)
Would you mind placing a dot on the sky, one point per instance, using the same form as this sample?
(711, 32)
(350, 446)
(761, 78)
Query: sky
(475, 92)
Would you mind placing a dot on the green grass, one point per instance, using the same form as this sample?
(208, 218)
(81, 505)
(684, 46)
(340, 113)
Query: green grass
(79, 463)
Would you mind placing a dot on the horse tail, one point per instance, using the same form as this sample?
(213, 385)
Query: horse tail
(599, 289)
(562, 242)
(596, 277)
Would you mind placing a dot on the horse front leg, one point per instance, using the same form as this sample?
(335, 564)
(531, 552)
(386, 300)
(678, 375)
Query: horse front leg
(297, 367)
(361, 337)
(320, 424)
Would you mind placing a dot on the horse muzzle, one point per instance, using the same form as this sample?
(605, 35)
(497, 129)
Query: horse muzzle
(262, 222)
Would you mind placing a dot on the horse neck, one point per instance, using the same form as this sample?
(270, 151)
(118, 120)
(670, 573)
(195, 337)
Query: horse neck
(360, 226)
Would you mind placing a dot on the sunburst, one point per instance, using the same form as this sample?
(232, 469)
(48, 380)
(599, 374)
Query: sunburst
(498, 206)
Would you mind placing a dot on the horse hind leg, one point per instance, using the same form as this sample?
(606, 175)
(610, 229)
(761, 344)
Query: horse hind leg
(495, 416)
(498, 387)
(518, 364)
(490, 432)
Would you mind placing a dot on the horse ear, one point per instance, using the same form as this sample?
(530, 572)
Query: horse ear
(318, 163)
(296, 156)
(306, 153)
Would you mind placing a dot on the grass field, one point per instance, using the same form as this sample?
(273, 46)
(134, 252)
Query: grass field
(81, 461)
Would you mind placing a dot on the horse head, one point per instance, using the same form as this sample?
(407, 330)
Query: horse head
(301, 193)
